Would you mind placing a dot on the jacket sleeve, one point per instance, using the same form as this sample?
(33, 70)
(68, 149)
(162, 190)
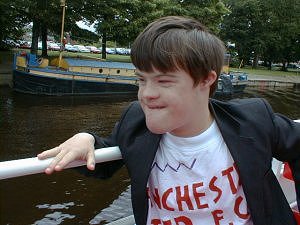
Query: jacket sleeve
(107, 169)
(102, 170)
(287, 145)
(292, 145)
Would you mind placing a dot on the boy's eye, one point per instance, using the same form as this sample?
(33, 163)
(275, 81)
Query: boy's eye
(141, 80)
(165, 83)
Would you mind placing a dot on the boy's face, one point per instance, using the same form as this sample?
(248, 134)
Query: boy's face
(172, 103)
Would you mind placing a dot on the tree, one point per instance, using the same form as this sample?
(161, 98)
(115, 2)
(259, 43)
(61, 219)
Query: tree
(46, 16)
(122, 20)
(244, 26)
(116, 20)
(37, 12)
(283, 32)
(266, 29)
(209, 12)
(11, 20)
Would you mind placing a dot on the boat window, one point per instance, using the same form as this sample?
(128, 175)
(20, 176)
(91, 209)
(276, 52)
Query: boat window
(100, 70)
(118, 71)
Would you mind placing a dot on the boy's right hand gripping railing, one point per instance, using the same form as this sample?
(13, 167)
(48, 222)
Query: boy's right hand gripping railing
(22, 167)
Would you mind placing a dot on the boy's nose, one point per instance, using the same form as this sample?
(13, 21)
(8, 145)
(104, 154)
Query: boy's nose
(148, 91)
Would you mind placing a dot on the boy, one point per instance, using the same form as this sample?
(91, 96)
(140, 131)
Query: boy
(192, 159)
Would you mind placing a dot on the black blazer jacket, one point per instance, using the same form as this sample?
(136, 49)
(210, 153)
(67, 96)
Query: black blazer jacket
(253, 134)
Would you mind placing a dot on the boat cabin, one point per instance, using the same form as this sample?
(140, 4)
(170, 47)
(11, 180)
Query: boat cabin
(96, 67)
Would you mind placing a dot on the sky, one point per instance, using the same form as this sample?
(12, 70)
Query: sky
(83, 25)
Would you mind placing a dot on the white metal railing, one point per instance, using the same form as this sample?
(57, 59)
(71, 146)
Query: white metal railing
(21, 167)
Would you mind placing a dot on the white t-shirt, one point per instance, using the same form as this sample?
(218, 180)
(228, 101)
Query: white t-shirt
(194, 181)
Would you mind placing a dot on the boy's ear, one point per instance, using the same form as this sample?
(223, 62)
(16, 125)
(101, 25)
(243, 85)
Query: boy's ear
(209, 79)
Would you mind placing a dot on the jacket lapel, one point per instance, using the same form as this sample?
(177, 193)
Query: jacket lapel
(141, 162)
(242, 148)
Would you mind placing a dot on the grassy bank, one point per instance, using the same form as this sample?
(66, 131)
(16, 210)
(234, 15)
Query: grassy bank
(266, 72)
(7, 57)
(55, 54)
(109, 57)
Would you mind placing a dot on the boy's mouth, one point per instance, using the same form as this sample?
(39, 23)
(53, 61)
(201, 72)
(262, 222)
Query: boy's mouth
(155, 107)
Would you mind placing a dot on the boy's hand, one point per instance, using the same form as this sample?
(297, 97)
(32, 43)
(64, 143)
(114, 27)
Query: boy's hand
(78, 147)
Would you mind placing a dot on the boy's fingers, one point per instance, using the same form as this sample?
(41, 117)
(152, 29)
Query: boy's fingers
(59, 162)
(49, 153)
(63, 159)
(90, 160)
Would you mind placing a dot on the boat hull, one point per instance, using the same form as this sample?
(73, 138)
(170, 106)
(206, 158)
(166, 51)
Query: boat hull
(230, 84)
(72, 76)
(239, 87)
(27, 82)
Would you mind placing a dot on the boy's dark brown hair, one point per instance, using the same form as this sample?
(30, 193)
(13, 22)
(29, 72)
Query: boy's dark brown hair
(174, 42)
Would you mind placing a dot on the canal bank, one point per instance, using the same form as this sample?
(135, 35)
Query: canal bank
(6, 61)
(5, 75)
(254, 80)
(273, 81)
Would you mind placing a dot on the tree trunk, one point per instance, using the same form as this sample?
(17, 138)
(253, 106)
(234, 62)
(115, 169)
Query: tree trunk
(284, 68)
(35, 37)
(44, 40)
(104, 45)
(255, 61)
(269, 65)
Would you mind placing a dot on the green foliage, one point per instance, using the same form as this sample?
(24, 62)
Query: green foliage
(209, 12)
(122, 20)
(261, 29)
(243, 27)
(283, 31)
(12, 20)
(128, 15)
(81, 35)
(264, 29)
(119, 21)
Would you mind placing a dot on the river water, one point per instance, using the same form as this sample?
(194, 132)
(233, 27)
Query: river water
(30, 124)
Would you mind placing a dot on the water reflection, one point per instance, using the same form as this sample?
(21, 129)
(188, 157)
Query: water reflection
(54, 218)
(284, 100)
(30, 124)
(36, 123)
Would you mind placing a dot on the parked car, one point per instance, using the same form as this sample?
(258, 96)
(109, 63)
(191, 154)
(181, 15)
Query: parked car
(53, 46)
(120, 51)
(71, 48)
(293, 66)
(10, 43)
(82, 48)
(123, 51)
(93, 49)
(25, 44)
(40, 45)
(110, 51)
